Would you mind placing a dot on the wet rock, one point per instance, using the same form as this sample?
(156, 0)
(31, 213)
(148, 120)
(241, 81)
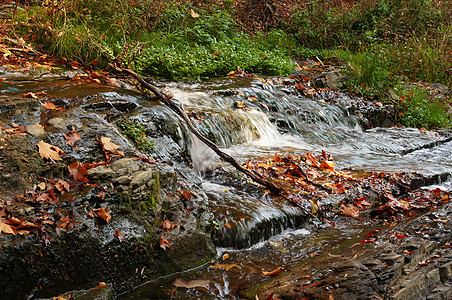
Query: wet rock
(334, 79)
(58, 123)
(35, 130)
(101, 173)
(445, 271)
(125, 166)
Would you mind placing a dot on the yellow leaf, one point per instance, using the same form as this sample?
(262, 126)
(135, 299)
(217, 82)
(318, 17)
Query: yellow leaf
(194, 14)
(6, 228)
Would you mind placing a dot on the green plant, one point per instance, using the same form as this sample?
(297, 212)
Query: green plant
(136, 133)
(417, 109)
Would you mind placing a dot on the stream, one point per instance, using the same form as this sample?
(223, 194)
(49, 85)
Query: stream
(253, 120)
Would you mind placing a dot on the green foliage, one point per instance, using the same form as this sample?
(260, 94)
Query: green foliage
(136, 133)
(418, 110)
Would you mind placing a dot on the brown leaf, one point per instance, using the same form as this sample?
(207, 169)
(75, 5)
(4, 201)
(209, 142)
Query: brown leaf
(62, 186)
(351, 210)
(329, 165)
(227, 225)
(5, 228)
(108, 145)
(30, 95)
(186, 195)
(164, 243)
(78, 172)
(72, 137)
(118, 234)
(166, 225)
(101, 213)
(48, 151)
(225, 266)
(189, 284)
(275, 272)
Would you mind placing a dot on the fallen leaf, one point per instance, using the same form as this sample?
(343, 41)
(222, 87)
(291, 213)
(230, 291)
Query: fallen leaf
(5, 228)
(225, 256)
(399, 235)
(2, 79)
(108, 145)
(48, 151)
(101, 213)
(275, 272)
(225, 266)
(164, 243)
(72, 137)
(78, 172)
(118, 234)
(379, 104)
(194, 14)
(166, 225)
(30, 95)
(368, 241)
(312, 285)
(189, 284)
(62, 186)
(49, 105)
(227, 225)
(100, 286)
(351, 210)
(329, 165)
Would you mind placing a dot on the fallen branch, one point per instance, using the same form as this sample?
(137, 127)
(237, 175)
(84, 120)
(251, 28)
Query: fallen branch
(180, 111)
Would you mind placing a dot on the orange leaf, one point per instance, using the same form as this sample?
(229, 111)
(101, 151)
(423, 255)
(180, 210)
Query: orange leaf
(225, 266)
(328, 165)
(107, 145)
(351, 210)
(101, 213)
(6, 228)
(49, 105)
(100, 286)
(50, 152)
(227, 225)
(164, 243)
(275, 272)
(194, 14)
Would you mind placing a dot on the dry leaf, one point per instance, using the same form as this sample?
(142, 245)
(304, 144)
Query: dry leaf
(100, 286)
(189, 284)
(78, 172)
(50, 152)
(5, 228)
(101, 213)
(351, 210)
(108, 145)
(194, 14)
(164, 243)
(328, 165)
(72, 137)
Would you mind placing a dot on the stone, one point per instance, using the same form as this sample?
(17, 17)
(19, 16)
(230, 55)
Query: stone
(57, 123)
(125, 166)
(35, 130)
(101, 172)
(123, 180)
(142, 178)
(445, 271)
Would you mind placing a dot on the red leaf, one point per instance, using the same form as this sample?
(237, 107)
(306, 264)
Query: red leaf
(101, 213)
(368, 241)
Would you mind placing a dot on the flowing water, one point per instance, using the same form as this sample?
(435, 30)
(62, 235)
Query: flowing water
(254, 119)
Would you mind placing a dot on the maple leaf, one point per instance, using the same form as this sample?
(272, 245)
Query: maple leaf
(48, 151)
(6, 228)
(72, 137)
(110, 149)
(78, 172)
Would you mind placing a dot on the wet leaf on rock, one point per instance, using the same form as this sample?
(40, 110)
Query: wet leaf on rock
(164, 243)
(189, 284)
(226, 267)
(72, 137)
(78, 172)
(350, 210)
(101, 213)
(100, 286)
(50, 152)
(275, 272)
(118, 234)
